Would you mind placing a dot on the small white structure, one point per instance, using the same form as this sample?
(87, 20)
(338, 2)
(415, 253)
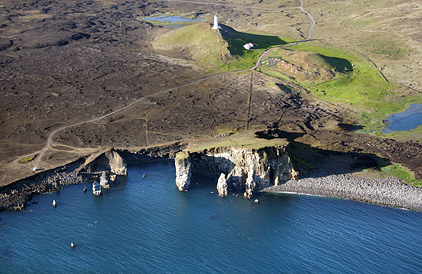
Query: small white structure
(216, 26)
(249, 45)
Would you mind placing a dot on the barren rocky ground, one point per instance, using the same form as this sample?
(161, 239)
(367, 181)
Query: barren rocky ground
(66, 62)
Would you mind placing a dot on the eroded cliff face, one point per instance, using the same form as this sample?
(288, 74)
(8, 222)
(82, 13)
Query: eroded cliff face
(243, 169)
(183, 173)
(110, 161)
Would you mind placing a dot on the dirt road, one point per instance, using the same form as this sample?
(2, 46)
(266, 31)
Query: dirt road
(40, 153)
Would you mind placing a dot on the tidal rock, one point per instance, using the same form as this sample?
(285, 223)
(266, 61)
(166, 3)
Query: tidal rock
(103, 180)
(222, 186)
(183, 173)
(251, 185)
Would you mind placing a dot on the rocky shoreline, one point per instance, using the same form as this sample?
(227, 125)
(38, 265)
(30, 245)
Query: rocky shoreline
(388, 191)
(18, 195)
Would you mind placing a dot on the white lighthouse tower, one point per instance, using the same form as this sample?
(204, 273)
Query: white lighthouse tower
(216, 26)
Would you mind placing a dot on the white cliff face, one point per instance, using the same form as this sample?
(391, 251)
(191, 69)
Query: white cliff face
(247, 169)
(110, 161)
(183, 173)
(222, 186)
(103, 180)
(116, 163)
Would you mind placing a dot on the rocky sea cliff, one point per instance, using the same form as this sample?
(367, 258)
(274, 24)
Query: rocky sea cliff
(114, 162)
(249, 170)
(237, 168)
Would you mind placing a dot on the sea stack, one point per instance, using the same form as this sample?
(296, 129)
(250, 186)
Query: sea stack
(103, 180)
(222, 186)
(183, 171)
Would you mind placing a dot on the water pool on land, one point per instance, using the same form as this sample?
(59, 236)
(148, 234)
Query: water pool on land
(147, 226)
(406, 120)
(171, 19)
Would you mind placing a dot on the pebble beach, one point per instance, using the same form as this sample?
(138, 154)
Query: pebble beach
(388, 191)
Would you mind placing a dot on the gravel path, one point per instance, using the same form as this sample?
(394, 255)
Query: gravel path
(48, 145)
(388, 191)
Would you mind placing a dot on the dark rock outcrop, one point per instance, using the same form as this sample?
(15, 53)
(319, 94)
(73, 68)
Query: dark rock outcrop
(19, 194)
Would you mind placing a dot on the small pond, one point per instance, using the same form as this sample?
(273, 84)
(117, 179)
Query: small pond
(171, 19)
(406, 120)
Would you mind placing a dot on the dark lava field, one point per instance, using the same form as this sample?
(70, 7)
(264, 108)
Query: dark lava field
(69, 62)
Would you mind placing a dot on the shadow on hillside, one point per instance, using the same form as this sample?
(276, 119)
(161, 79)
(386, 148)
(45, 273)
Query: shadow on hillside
(314, 162)
(237, 39)
(349, 127)
(339, 64)
(207, 169)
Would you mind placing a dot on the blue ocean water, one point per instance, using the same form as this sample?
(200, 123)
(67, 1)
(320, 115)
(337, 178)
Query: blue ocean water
(147, 226)
(406, 120)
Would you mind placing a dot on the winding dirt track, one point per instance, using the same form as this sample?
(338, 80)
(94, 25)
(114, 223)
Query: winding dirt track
(48, 145)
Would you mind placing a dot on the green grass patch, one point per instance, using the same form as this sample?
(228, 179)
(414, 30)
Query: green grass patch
(359, 84)
(414, 134)
(359, 23)
(374, 121)
(182, 155)
(213, 49)
(336, 64)
(243, 58)
(387, 47)
(356, 81)
(197, 42)
(302, 155)
(273, 73)
(303, 162)
(29, 159)
(400, 172)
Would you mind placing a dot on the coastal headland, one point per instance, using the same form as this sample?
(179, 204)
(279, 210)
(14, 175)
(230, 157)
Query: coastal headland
(82, 77)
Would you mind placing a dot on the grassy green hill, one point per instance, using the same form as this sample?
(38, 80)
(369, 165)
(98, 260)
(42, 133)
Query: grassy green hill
(329, 73)
(212, 49)
(198, 42)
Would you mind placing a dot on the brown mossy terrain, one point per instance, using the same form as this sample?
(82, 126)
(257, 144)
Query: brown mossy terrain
(64, 63)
